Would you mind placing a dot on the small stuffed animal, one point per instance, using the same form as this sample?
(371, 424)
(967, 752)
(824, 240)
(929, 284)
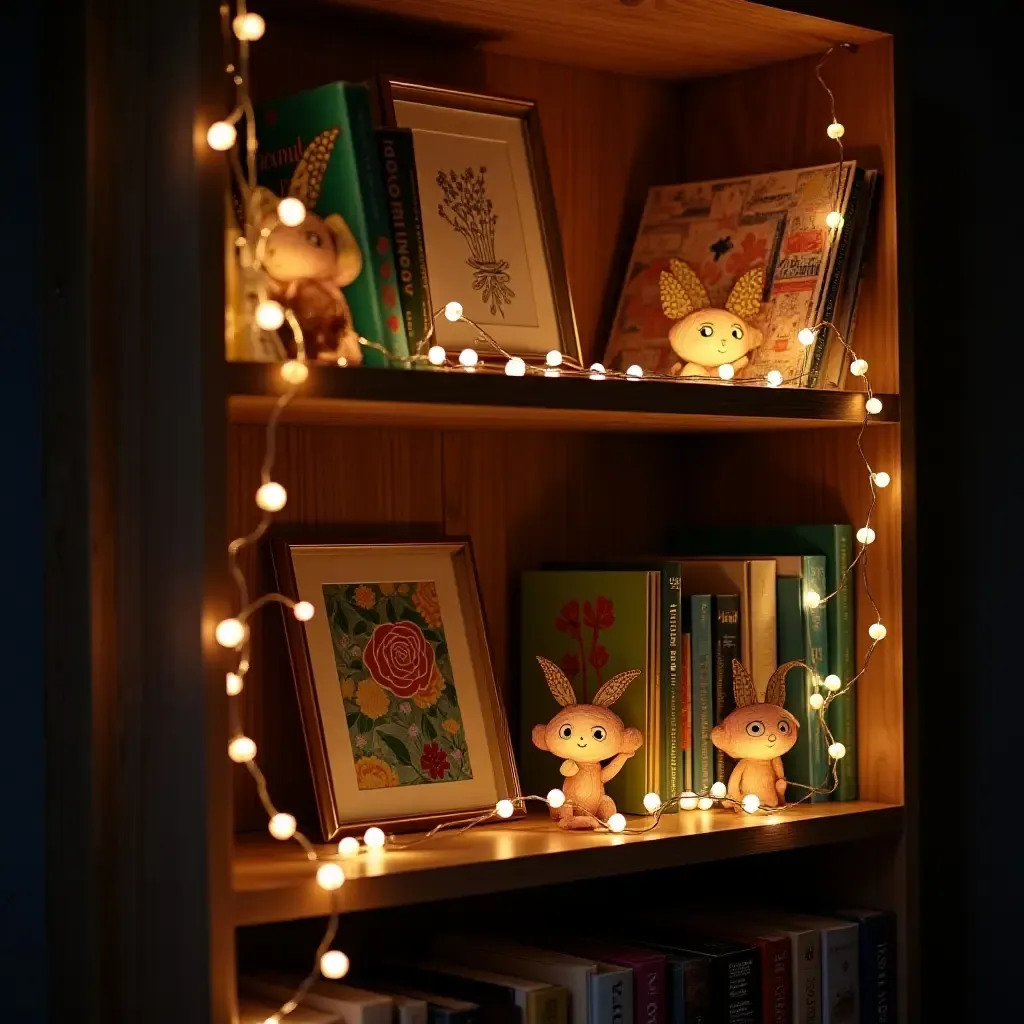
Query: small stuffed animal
(705, 337)
(585, 735)
(307, 266)
(758, 733)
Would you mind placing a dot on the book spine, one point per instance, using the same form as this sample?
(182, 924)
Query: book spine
(398, 164)
(840, 974)
(544, 1007)
(726, 631)
(686, 706)
(800, 685)
(816, 655)
(703, 699)
(649, 994)
(878, 968)
(842, 713)
(761, 601)
(675, 992)
(611, 997)
(698, 991)
(776, 981)
(671, 628)
(737, 998)
(371, 185)
(807, 978)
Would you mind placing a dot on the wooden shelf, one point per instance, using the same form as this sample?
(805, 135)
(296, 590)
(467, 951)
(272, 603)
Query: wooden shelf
(273, 881)
(403, 397)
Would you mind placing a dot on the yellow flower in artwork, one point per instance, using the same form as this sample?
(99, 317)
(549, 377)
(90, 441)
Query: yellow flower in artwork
(372, 698)
(373, 773)
(364, 597)
(450, 726)
(348, 688)
(387, 589)
(429, 695)
(427, 604)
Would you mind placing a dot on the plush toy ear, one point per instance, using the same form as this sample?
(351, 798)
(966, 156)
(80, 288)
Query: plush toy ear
(540, 736)
(350, 256)
(632, 741)
(742, 685)
(681, 291)
(775, 691)
(558, 683)
(309, 172)
(262, 204)
(614, 688)
(745, 298)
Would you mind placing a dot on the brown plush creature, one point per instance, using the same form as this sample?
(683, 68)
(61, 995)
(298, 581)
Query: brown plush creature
(307, 266)
(585, 735)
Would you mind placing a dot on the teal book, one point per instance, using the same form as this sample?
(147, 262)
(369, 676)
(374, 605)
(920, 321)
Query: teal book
(725, 631)
(703, 707)
(398, 165)
(592, 624)
(340, 178)
(813, 578)
(835, 542)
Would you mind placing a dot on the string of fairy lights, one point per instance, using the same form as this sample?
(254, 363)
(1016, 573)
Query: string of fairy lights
(242, 28)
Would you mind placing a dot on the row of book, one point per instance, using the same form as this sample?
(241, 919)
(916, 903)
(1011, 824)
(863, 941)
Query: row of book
(762, 967)
(681, 621)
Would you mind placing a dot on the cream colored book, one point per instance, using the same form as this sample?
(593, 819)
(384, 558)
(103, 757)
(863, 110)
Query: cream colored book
(349, 1005)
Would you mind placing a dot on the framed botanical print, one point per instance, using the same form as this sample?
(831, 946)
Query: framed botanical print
(489, 221)
(403, 722)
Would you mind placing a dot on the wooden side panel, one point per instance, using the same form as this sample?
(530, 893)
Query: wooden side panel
(774, 118)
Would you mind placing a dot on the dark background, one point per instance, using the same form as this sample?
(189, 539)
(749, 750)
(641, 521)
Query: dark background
(963, 162)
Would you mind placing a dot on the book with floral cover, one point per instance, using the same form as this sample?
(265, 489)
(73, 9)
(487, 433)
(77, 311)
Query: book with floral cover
(730, 271)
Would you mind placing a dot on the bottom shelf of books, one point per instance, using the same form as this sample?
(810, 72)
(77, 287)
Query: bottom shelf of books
(275, 882)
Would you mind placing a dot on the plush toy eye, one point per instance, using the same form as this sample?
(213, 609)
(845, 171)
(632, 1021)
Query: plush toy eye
(598, 732)
(566, 731)
(313, 239)
(705, 330)
(737, 332)
(783, 726)
(755, 728)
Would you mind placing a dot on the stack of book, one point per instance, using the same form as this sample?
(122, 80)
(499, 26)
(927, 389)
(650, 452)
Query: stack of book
(759, 967)
(733, 593)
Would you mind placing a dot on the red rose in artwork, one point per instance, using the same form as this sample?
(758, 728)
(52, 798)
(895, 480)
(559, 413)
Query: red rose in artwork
(434, 761)
(400, 658)
(599, 656)
(599, 616)
(568, 620)
(570, 664)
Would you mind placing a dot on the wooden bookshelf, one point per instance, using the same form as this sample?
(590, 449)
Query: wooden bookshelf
(273, 881)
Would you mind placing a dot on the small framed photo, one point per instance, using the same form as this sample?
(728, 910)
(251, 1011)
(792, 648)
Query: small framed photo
(489, 221)
(403, 721)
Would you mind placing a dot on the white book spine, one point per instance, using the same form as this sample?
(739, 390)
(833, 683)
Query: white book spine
(761, 602)
(611, 997)
(840, 974)
(806, 977)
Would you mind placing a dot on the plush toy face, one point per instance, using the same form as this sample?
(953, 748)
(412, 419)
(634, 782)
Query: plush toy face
(315, 250)
(712, 336)
(758, 731)
(587, 734)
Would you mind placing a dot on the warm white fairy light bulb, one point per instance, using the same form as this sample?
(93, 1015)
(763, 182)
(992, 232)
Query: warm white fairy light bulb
(816, 701)
(773, 378)
(873, 405)
(282, 826)
(453, 311)
(269, 315)
(374, 838)
(719, 791)
(241, 749)
(617, 822)
(876, 631)
(436, 355)
(832, 682)
(330, 877)
(556, 798)
(221, 136)
(234, 684)
(334, 964)
(836, 750)
(812, 599)
(881, 479)
(835, 130)
(271, 497)
(652, 802)
(805, 336)
(634, 372)
(294, 371)
(291, 211)
(727, 371)
(504, 808)
(859, 367)
(865, 535)
(303, 611)
(751, 802)
(249, 27)
(833, 219)
(348, 847)
(230, 632)
(515, 367)
(549, 372)
(597, 371)
(688, 801)
(468, 357)
(705, 803)
(553, 358)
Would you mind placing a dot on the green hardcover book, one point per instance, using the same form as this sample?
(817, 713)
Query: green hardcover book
(349, 186)
(725, 630)
(398, 164)
(593, 624)
(814, 575)
(673, 777)
(835, 542)
(703, 706)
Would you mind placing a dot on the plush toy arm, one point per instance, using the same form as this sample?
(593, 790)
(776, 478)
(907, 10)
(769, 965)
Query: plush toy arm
(741, 362)
(695, 370)
(614, 766)
(780, 776)
(569, 769)
(735, 783)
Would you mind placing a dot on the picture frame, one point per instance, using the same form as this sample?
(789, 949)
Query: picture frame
(403, 722)
(499, 251)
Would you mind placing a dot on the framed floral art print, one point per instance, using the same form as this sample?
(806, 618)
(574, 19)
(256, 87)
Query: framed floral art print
(403, 722)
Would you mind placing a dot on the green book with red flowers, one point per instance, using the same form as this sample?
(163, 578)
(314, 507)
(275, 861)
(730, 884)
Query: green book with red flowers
(592, 625)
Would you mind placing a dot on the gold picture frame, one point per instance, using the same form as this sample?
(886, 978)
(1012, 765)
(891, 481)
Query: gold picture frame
(505, 266)
(403, 722)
